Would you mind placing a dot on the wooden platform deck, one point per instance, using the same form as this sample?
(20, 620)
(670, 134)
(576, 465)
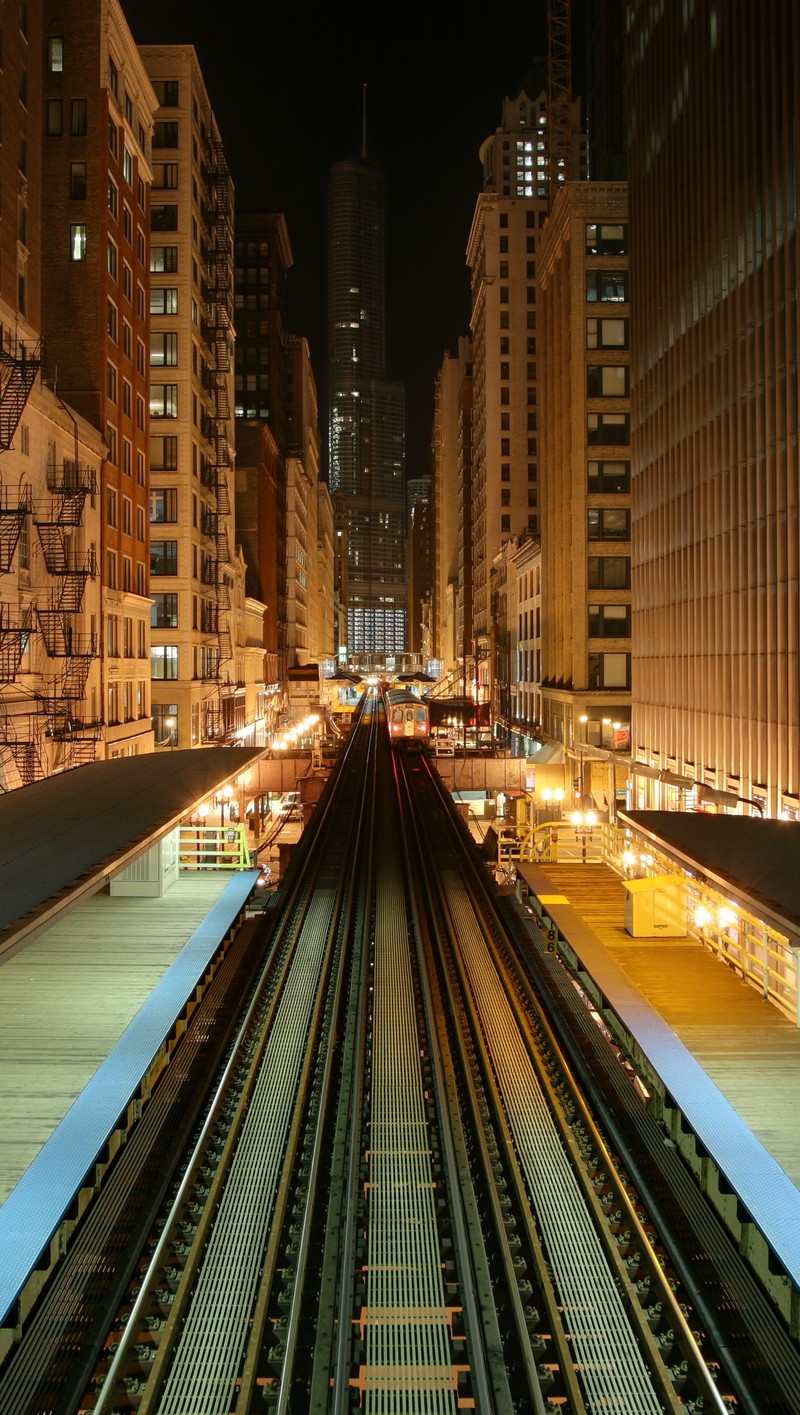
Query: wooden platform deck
(743, 1043)
(68, 996)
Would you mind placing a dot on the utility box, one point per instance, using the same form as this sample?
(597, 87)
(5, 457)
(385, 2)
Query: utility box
(655, 907)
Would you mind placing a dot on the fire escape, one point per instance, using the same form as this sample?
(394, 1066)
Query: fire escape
(220, 291)
(64, 696)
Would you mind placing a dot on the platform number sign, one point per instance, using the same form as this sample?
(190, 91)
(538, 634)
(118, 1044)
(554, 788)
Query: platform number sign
(550, 937)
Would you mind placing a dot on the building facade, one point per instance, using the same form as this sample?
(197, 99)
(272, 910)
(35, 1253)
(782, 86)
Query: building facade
(197, 698)
(98, 111)
(366, 426)
(585, 468)
(502, 256)
(714, 267)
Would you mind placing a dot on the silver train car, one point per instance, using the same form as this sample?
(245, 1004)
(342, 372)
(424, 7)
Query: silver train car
(407, 717)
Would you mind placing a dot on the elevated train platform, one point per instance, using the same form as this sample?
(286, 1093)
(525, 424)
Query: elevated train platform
(92, 982)
(714, 1059)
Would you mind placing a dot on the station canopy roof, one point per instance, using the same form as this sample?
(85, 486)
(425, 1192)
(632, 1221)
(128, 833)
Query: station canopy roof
(62, 837)
(746, 857)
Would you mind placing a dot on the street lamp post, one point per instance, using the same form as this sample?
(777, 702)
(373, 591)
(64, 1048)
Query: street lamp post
(172, 730)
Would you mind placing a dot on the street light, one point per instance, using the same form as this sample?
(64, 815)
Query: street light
(584, 823)
(172, 729)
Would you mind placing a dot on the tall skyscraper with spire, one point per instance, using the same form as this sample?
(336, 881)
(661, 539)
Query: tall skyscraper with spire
(366, 441)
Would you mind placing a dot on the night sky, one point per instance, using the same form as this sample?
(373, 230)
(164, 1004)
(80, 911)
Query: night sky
(287, 90)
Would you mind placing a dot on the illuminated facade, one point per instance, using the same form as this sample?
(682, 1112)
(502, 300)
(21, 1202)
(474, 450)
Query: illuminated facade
(502, 255)
(198, 696)
(714, 271)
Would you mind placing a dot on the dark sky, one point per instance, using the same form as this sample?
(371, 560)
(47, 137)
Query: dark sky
(286, 88)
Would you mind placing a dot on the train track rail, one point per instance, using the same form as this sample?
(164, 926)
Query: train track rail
(391, 1167)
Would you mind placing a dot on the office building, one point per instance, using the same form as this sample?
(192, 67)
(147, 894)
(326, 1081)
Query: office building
(585, 312)
(366, 430)
(198, 691)
(502, 256)
(714, 271)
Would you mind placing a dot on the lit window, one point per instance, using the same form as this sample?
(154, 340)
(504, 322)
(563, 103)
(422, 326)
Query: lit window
(77, 241)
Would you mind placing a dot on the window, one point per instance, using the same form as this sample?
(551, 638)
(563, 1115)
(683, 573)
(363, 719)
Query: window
(127, 281)
(127, 516)
(55, 55)
(607, 380)
(163, 260)
(609, 572)
(111, 320)
(163, 557)
(127, 398)
(111, 507)
(166, 92)
(164, 301)
(165, 176)
(164, 611)
(163, 218)
(77, 120)
(610, 429)
(77, 241)
(165, 133)
(606, 285)
(606, 239)
(127, 164)
(164, 400)
(163, 350)
(113, 197)
(111, 569)
(164, 454)
(111, 443)
(113, 77)
(608, 523)
(609, 670)
(112, 636)
(609, 477)
(111, 259)
(163, 505)
(54, 118)
(606, 333)
(111, 382)
(609, 621)
(164, 661)
(113, 137)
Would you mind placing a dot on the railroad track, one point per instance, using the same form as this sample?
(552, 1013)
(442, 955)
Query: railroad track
(411, 1186)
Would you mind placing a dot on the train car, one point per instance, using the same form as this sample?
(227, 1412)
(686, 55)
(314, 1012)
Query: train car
(407, 717)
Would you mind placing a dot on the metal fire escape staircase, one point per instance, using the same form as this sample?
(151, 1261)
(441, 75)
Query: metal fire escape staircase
(64, 698)
(221, 461)
(20, 361)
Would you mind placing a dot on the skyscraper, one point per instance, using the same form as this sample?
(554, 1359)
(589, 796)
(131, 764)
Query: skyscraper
(366, 442)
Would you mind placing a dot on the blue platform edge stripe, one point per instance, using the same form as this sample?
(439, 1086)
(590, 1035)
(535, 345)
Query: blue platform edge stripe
(37, 1204)
(766, 1191)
